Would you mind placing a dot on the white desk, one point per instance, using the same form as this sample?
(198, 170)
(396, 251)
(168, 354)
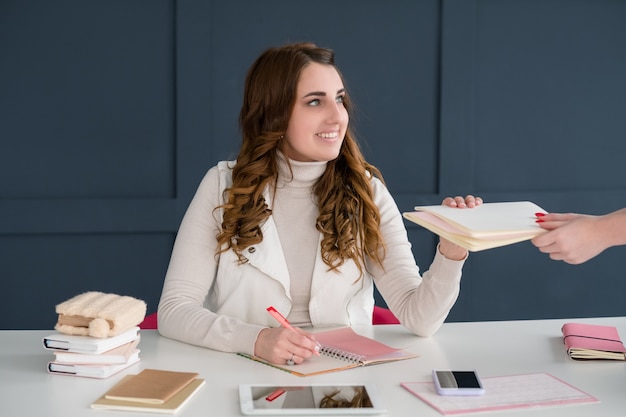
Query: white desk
(493, 348)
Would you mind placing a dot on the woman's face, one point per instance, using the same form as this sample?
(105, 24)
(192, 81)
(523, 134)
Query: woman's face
(319, 119)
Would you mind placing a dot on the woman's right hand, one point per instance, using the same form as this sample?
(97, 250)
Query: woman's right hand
(573, 238)
(279, 345)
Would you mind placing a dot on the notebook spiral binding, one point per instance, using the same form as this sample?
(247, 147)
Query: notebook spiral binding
(341, 354)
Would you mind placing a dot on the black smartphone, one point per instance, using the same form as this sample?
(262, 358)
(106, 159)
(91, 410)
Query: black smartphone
(457, 382)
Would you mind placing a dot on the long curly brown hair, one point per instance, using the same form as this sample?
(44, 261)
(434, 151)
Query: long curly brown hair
(349, 220)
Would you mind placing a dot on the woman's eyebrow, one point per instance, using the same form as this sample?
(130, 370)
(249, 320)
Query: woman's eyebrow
(322, 93)
(314, 93)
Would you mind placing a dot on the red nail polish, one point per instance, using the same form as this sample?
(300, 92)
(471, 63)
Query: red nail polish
(540, 214)
(539, 221)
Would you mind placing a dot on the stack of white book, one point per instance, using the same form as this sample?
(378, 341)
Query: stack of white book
(92, 357)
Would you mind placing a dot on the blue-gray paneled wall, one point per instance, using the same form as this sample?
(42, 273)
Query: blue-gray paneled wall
(112, 110)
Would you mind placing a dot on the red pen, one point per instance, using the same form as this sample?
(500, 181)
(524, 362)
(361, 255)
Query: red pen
(284, 322)
(279, 318)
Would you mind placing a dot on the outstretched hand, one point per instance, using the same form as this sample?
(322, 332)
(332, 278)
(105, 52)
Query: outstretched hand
(575, 238)
(572, 238)
(452, 250)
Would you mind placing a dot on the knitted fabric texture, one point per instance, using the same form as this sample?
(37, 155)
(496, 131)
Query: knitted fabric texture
(107, 314)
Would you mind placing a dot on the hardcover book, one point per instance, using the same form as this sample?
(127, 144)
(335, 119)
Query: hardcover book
(592, 341)
(88, 344)
(171, 406)
(100, 371)
(118, 355)
(151, 386)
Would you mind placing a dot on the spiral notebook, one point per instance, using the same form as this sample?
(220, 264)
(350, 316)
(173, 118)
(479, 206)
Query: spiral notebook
(342, 349)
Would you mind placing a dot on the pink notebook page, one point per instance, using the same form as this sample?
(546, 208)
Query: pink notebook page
(347, 340)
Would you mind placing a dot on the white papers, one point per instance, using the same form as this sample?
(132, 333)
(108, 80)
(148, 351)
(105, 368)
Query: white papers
(487, 226)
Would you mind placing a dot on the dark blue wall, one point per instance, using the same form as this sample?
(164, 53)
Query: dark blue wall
(111, 112)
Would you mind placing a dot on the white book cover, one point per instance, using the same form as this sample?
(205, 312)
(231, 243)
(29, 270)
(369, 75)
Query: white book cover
(91, 370)
(88, 344)
(117, 355)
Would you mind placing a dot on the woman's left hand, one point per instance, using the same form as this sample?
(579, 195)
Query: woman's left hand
(468, 201)
(452, 250)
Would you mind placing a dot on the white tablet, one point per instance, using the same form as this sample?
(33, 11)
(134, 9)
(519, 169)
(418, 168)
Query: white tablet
(310, 399)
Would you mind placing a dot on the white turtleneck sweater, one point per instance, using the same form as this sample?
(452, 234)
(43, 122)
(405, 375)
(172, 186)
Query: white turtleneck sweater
(293, 205)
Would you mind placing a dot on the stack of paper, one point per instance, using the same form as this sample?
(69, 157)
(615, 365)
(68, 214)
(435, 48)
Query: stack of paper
(151, 390)
(487, 226)
(92, 357)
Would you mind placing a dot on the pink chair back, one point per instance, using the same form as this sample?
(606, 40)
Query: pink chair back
(381, 316)
(150, 322)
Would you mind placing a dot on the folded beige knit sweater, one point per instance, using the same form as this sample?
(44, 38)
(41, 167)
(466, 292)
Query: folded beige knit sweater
(99, 315)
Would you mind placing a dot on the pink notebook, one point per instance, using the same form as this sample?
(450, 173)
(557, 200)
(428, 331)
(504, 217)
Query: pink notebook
(593, 341)
(342, 349)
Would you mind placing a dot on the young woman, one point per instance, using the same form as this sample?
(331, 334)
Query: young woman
(301, 222)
